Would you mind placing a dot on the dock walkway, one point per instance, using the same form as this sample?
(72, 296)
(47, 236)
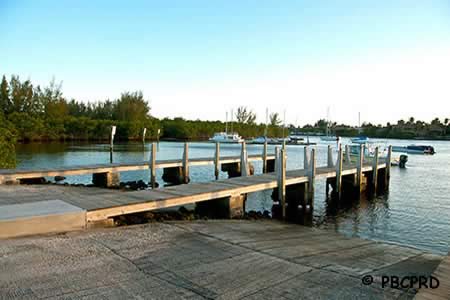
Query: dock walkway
(16, 174)
(101, 204)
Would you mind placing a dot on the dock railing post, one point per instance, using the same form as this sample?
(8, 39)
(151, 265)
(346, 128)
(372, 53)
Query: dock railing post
(347, 154)
(111, 145)
(264, 157)
(153, 166)
(388, 168)
(359, 166)
(282, 180)
(244, 160)
(217, 160)
(144, 132)
(306, 158)
(330, 163)
(311, 178)
(339, 173)
(375, 171)
(186, 163)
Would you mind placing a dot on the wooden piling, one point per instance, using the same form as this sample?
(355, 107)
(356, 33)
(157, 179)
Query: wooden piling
(306, 158)
(330, 162)
(359, 172)
(387, 173)
(153, 166)
(375, 171)
(339, 173)
(111, 145)
(311, 178)
(244, 160)
(217, 160)
(282, 180)
(347, 154)
(264, 157)
(144, 132)
(186, 163)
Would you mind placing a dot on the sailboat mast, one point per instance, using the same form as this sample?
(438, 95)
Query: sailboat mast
(328, 121)
(226, 123)
(232, 121)
(267, 121)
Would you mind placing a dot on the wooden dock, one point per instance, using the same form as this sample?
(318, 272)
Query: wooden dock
(17, 174)
(295, 189)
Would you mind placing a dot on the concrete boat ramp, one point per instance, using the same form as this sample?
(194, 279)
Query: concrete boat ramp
(218, 259)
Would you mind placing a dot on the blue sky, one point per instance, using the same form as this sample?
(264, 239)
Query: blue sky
(198, 59)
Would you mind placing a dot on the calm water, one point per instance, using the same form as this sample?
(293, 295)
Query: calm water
(416, 211)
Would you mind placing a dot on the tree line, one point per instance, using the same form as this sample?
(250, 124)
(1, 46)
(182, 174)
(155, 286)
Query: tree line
(410, 129)
(32, 113)
(35, 113)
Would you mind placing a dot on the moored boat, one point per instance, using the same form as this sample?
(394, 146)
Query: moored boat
(415, 149)
(224, 137)
(360, 140)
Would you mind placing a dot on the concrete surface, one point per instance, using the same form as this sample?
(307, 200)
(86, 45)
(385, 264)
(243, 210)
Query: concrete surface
(40, 217)
(229, 259)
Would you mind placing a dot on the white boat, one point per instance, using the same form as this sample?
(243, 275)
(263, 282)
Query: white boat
(360, 140)
(224, 137)
(369, 153)
(415, 149)
(329, 138)
(260, 140)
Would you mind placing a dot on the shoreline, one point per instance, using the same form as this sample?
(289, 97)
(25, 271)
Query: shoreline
(176, 140)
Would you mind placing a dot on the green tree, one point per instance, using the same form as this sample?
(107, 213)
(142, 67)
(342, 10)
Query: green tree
(245, 116)
(5, 102)
(131, 107)
(275, 120)
(7, 142)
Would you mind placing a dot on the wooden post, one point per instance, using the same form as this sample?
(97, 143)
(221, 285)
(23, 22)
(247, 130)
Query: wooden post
(143, 135)
(217, 161)
(153, 166)
(339, 173)
(347, 154)
(387, 173)
(244, 160)
(264, 157)
(311, 177)
(282, 181)
(359, 166)
(306, 158)
(375, 171)
(330, 162)
(111, 146)
(186, 163)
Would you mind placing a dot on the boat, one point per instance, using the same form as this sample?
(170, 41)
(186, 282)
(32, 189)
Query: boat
(360, 140)
(369, 152)
(224, 137)
(327, 137)
(415, 149)
(227, 137)
(295, 139)
(260, 140)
